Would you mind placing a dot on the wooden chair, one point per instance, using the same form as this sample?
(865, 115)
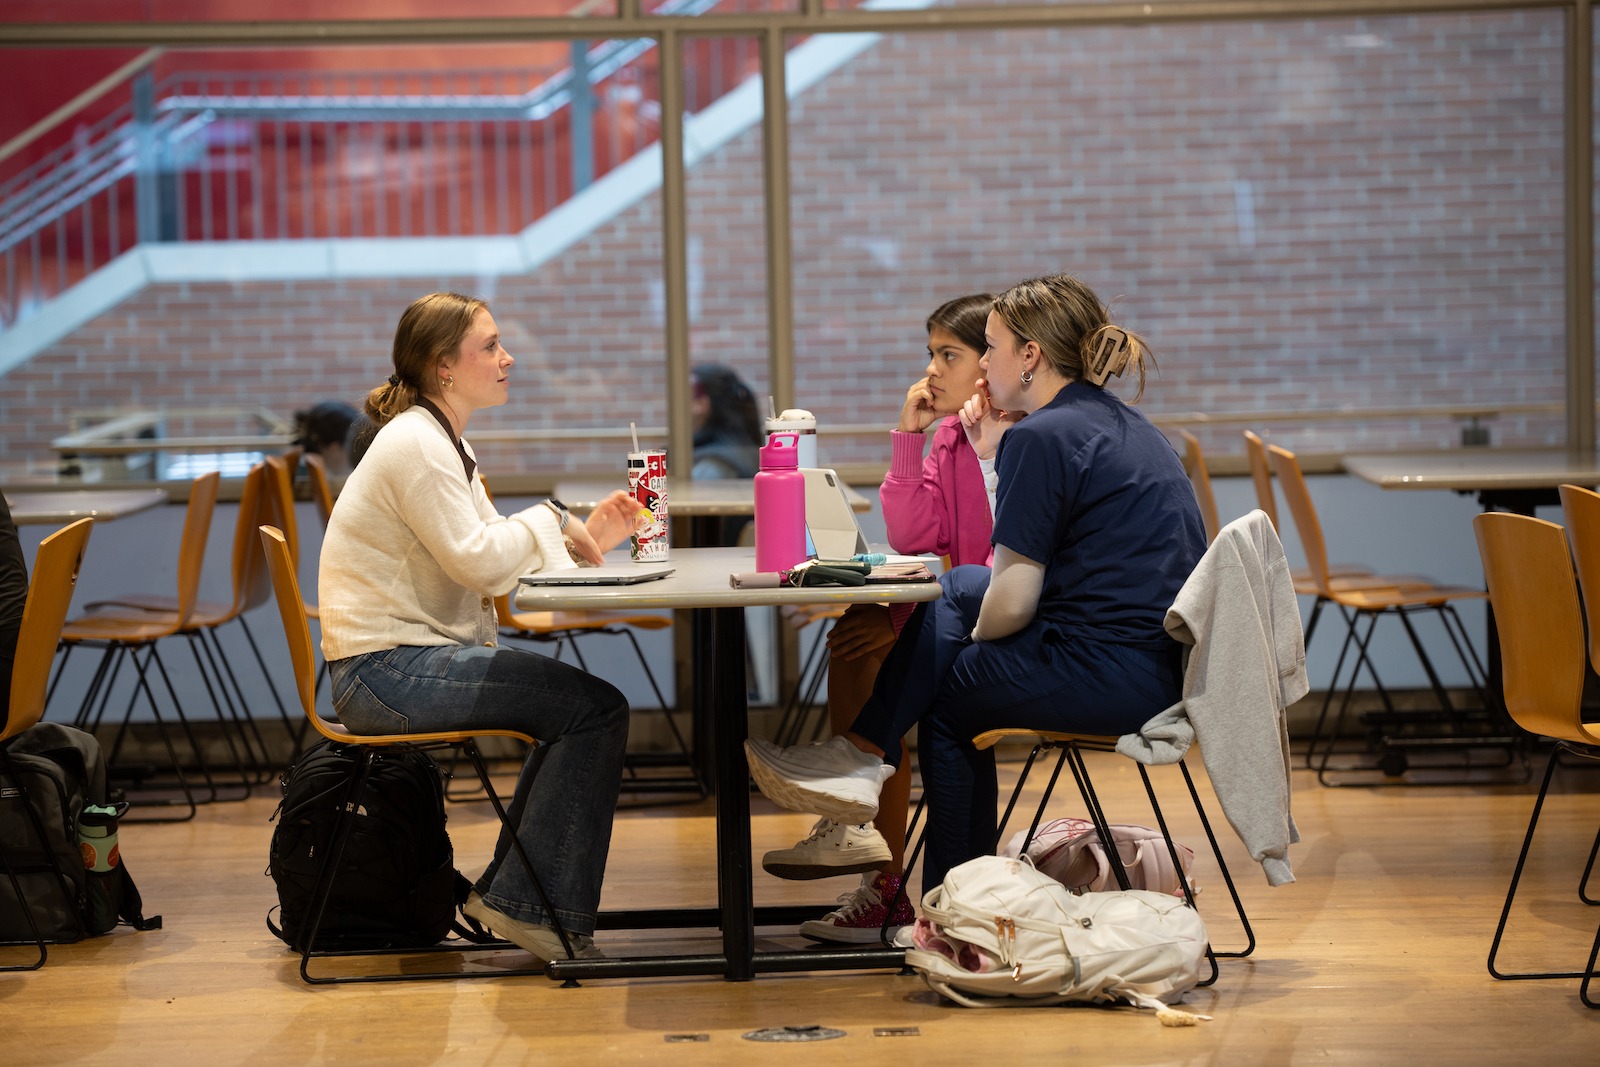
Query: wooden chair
(1194, 464)
(1581, 507)
(252, 587)
(321, 488)
(297, 631)
(1070, 748)
(1446, 729)
(1535, 599)
(1339, 573)
(280, 487)
(55, 573)
(134, 635)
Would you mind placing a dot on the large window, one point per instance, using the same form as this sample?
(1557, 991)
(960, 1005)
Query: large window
(1351, 231)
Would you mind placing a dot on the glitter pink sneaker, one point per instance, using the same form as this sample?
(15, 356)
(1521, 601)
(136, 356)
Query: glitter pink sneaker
(859, 918)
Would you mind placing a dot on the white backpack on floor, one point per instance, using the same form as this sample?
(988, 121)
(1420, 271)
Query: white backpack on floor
(998, 933)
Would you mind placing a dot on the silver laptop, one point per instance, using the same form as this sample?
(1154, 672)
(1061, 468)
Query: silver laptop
(605, 574)
(832, 531)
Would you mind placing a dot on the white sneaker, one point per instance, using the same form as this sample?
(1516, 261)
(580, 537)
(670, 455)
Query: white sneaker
(831, 778)
(833, 848)
(542, 941)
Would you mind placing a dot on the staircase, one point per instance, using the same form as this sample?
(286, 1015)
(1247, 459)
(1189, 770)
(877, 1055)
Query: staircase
(204, 156)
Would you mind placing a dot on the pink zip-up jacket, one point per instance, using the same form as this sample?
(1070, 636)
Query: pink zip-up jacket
(937, 504)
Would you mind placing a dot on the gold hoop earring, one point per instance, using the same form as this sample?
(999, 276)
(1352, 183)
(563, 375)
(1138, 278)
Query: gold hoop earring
(448, 380)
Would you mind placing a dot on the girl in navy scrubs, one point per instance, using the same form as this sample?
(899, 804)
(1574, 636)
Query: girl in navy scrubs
(1096, 529)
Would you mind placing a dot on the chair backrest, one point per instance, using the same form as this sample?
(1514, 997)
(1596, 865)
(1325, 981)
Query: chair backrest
(1309, 529)
(1535, 598)
(1194, 463)
(280, 486)
(321, 488)
(296, 630)
(192, 544)
(1582, 510)
(252, 585)
(55, 573)
(1255, 450)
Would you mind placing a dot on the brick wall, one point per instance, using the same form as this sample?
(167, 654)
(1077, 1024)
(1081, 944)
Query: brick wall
(1298, 215)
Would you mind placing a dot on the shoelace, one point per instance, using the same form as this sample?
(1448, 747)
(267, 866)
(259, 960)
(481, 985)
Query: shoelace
(820, 830)
(858, 900)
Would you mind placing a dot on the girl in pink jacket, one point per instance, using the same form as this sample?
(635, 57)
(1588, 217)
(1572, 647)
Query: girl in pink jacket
(941, 504)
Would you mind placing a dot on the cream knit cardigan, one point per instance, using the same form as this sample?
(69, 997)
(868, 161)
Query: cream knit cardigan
(415, 552)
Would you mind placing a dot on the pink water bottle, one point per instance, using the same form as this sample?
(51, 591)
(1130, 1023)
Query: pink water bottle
(780, 505)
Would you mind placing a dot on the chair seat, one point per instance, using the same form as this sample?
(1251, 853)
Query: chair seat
(339, 732)
(1385, 599)
(206, 612)
(1306, 585)
(990, 738)
(544, 622)
(130, 629)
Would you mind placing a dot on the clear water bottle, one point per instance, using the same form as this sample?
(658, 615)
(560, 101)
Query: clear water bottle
(780, 505)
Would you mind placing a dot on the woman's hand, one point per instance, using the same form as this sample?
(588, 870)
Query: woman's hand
(607, 526)
(985, 424)
(917, 414)
(863, 629)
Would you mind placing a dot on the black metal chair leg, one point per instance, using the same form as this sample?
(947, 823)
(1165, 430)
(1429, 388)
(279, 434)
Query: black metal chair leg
(1516, 878)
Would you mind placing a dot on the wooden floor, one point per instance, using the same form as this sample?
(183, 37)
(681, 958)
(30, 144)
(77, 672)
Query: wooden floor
(1374, 956)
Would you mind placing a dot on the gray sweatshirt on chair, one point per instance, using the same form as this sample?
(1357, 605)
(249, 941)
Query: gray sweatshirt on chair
(1245, 664)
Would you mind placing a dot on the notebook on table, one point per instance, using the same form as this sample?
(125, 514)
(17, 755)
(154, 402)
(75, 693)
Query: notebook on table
(605, 574)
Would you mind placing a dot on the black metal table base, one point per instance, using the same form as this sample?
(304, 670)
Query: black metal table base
(723, 722)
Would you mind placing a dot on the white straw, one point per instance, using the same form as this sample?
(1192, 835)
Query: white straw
(635, 431)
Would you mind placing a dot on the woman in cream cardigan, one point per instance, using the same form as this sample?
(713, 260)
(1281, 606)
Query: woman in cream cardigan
(413, 558)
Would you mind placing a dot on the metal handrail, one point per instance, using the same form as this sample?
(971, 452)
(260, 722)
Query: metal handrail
(149, 171)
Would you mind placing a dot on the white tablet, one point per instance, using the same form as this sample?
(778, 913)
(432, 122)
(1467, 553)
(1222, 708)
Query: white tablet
(831, 527)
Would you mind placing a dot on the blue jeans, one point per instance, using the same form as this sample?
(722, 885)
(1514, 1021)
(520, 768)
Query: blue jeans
(1039, 679)
(563, 815)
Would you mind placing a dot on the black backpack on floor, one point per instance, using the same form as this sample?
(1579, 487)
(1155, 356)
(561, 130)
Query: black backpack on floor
(75, 886)
(396, 886)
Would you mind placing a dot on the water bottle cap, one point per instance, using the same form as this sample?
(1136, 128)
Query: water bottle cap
(782, 452)
(792, 419)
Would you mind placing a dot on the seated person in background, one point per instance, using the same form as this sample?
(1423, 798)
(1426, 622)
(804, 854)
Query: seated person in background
(327, 429)
(727, 433)
(936, 505)
(727, 426)
(1096, 529)
(411, 562)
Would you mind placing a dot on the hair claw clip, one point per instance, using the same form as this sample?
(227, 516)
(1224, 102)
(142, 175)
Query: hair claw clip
(1110, 356)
